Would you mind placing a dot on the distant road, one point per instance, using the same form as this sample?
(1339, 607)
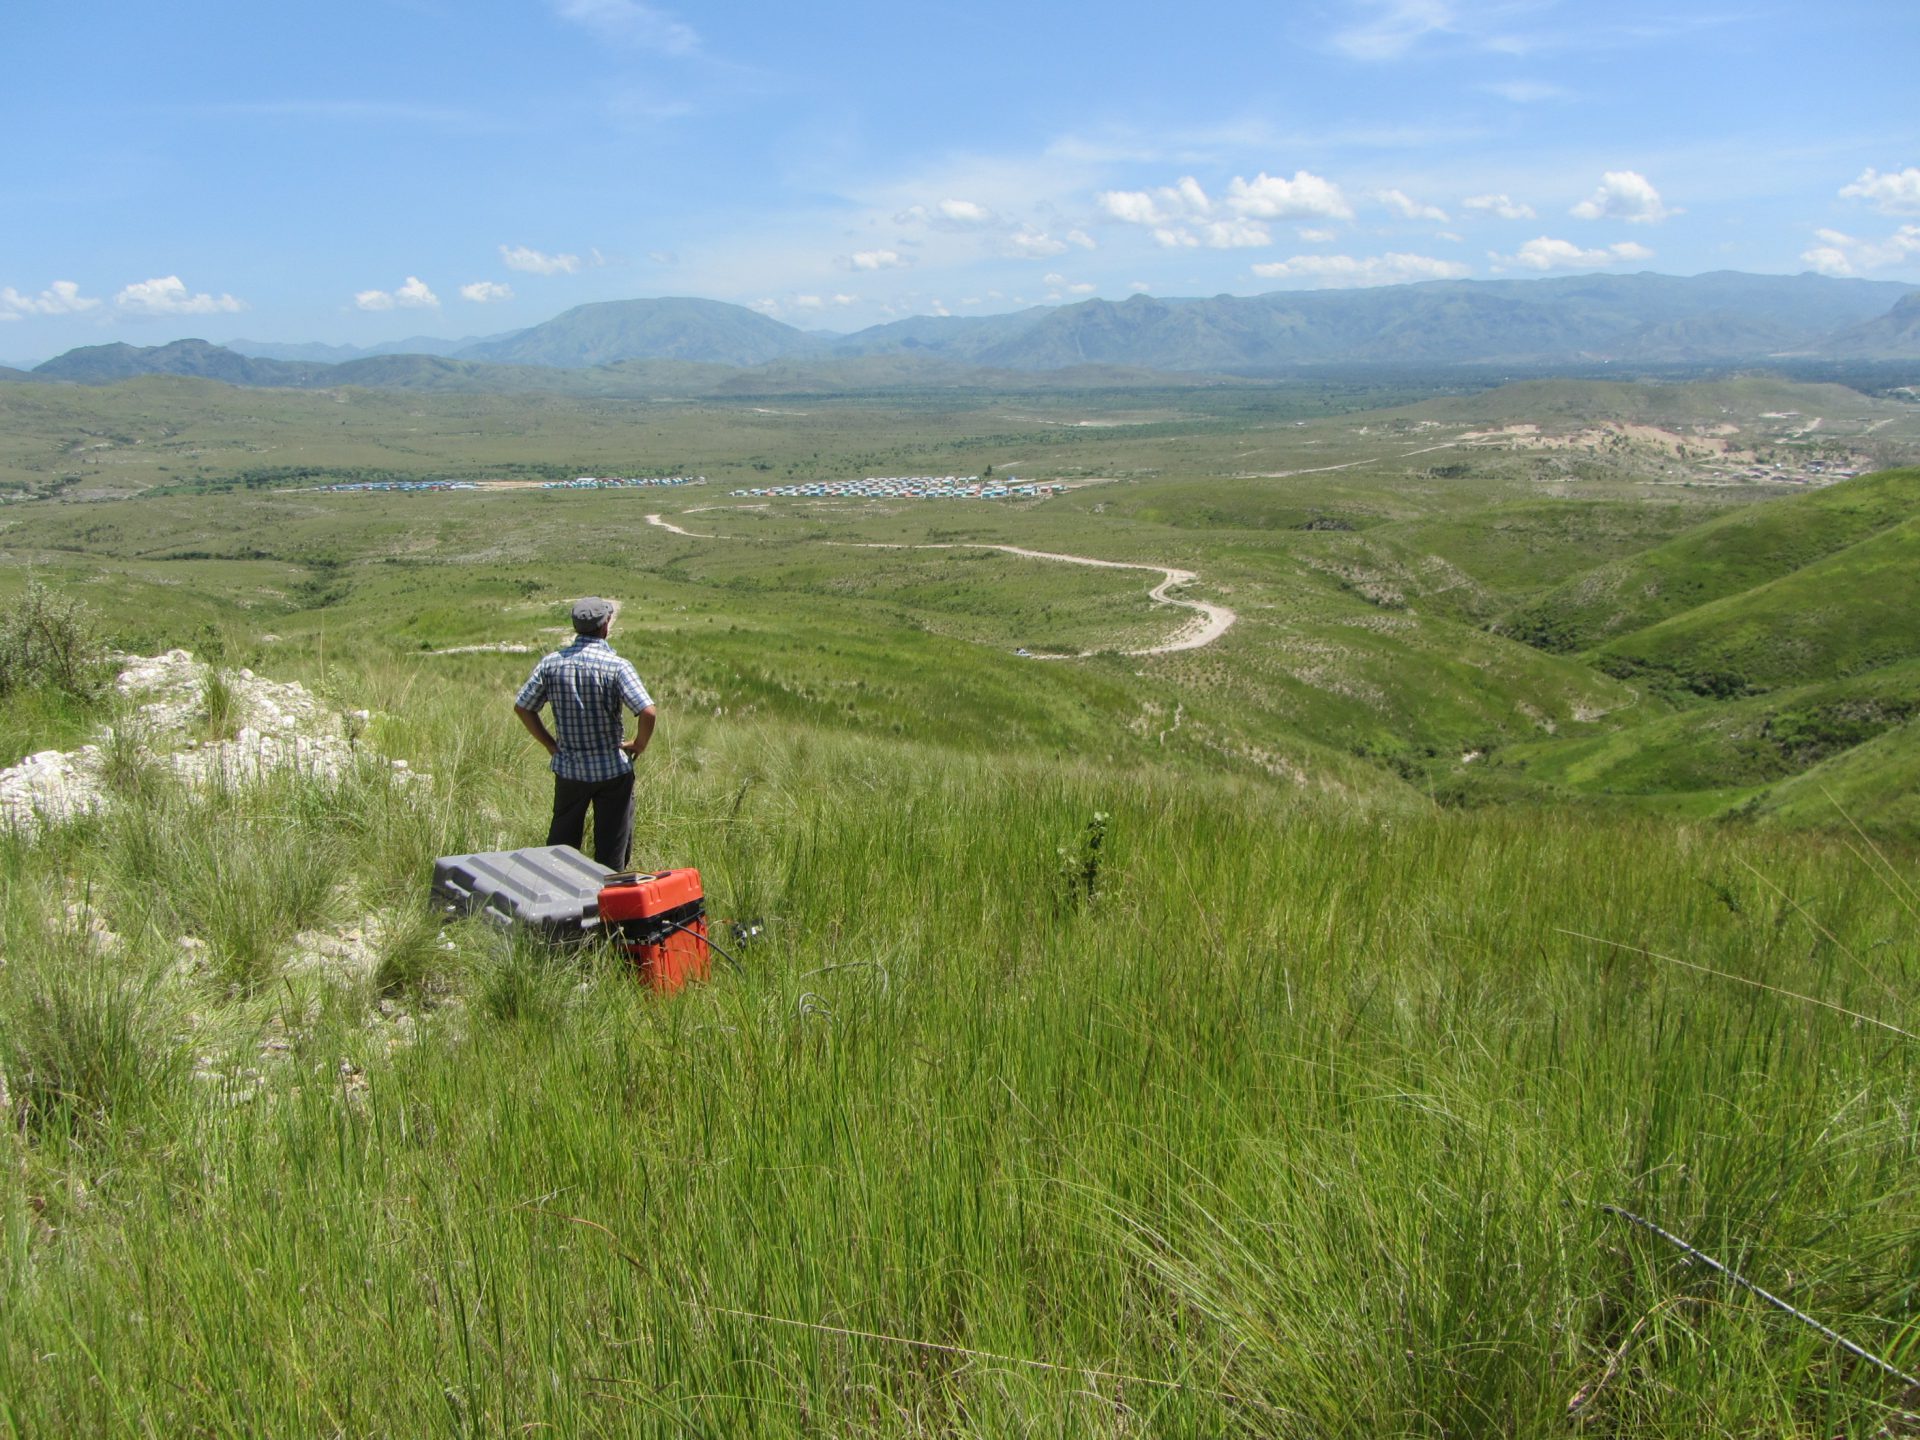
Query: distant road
(1210, 621)
(666, 524)
(1348, 465)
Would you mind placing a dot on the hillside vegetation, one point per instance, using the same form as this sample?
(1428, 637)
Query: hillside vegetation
(1843, 614)
(1415, 606)
(1724, 558)
(1150, 1103)
(1245, 1039)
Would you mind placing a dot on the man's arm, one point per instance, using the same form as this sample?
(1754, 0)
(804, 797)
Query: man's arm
(642, 732)
(537, 728)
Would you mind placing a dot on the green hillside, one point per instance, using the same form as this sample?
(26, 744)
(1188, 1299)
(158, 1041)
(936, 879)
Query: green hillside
(1875, 786)
(1721, 558)
(1375, 569)
(1733, 746)
(1095, 1073)
(1850, 612)
(1477, 565)
(1242, 1039)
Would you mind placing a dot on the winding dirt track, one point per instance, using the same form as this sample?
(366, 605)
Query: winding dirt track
(1210, 621)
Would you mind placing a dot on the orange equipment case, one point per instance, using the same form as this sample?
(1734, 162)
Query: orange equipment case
(661, 920)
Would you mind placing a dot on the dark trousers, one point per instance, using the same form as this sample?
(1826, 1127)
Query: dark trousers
(612, 802)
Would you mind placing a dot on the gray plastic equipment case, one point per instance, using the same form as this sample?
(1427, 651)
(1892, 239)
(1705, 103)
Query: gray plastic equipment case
(551, 888)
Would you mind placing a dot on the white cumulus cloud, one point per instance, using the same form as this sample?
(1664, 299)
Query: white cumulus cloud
(1234, 234)
(1170, 208)
(485, 292)
(63, 297)
(1082, 239)
(1624, 195)
(168, 295)
(1545, 253)
(822, 302)
(414, 295)
(876, 260)
(1840, 254)
(1037, 244)
(628, 22)
(1503, 206)
(964, 212)
(1135, 207)
(1270, 197)
(1897, 192)
(1408, 208)
(533, 262)
(947, 215)
(1352, 270)
(1184, 199)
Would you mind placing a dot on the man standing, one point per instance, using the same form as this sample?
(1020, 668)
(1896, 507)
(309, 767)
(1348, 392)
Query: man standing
(587, 684)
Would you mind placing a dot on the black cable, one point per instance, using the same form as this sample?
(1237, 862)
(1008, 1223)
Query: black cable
(700, 935)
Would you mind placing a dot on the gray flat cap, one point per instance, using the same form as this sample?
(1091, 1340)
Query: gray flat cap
(591, 613)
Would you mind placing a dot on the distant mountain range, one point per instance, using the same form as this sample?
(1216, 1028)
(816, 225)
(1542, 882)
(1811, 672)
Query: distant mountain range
(708, 331)
(1894, 334)
(622, 346)
(337, 354)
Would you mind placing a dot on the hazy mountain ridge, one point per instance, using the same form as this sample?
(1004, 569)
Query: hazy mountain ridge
(322, 354)
(709, 331)
(1649, 319)
(105, 364)
(1894, 335)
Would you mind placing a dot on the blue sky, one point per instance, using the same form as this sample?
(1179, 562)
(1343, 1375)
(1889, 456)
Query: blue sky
(366, 170)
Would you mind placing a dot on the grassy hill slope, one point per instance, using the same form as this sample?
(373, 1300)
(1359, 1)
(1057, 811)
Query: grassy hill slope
(1850, 612)
(1875, 786)
(1721, 558)
(1733, 746)
(1273, 1113)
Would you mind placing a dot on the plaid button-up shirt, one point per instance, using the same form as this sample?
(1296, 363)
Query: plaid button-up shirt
(587, 684)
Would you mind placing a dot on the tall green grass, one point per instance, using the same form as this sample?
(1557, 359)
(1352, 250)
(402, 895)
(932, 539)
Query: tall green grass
(1293, 1120)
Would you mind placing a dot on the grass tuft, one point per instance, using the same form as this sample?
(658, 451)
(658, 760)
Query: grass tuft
(220, 705)
(84, 1047)
(414, 960)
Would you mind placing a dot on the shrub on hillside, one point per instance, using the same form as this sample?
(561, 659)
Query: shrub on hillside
(48, 641)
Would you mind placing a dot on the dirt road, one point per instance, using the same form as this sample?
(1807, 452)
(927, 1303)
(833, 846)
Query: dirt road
(1210, 621)
(666, 524)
